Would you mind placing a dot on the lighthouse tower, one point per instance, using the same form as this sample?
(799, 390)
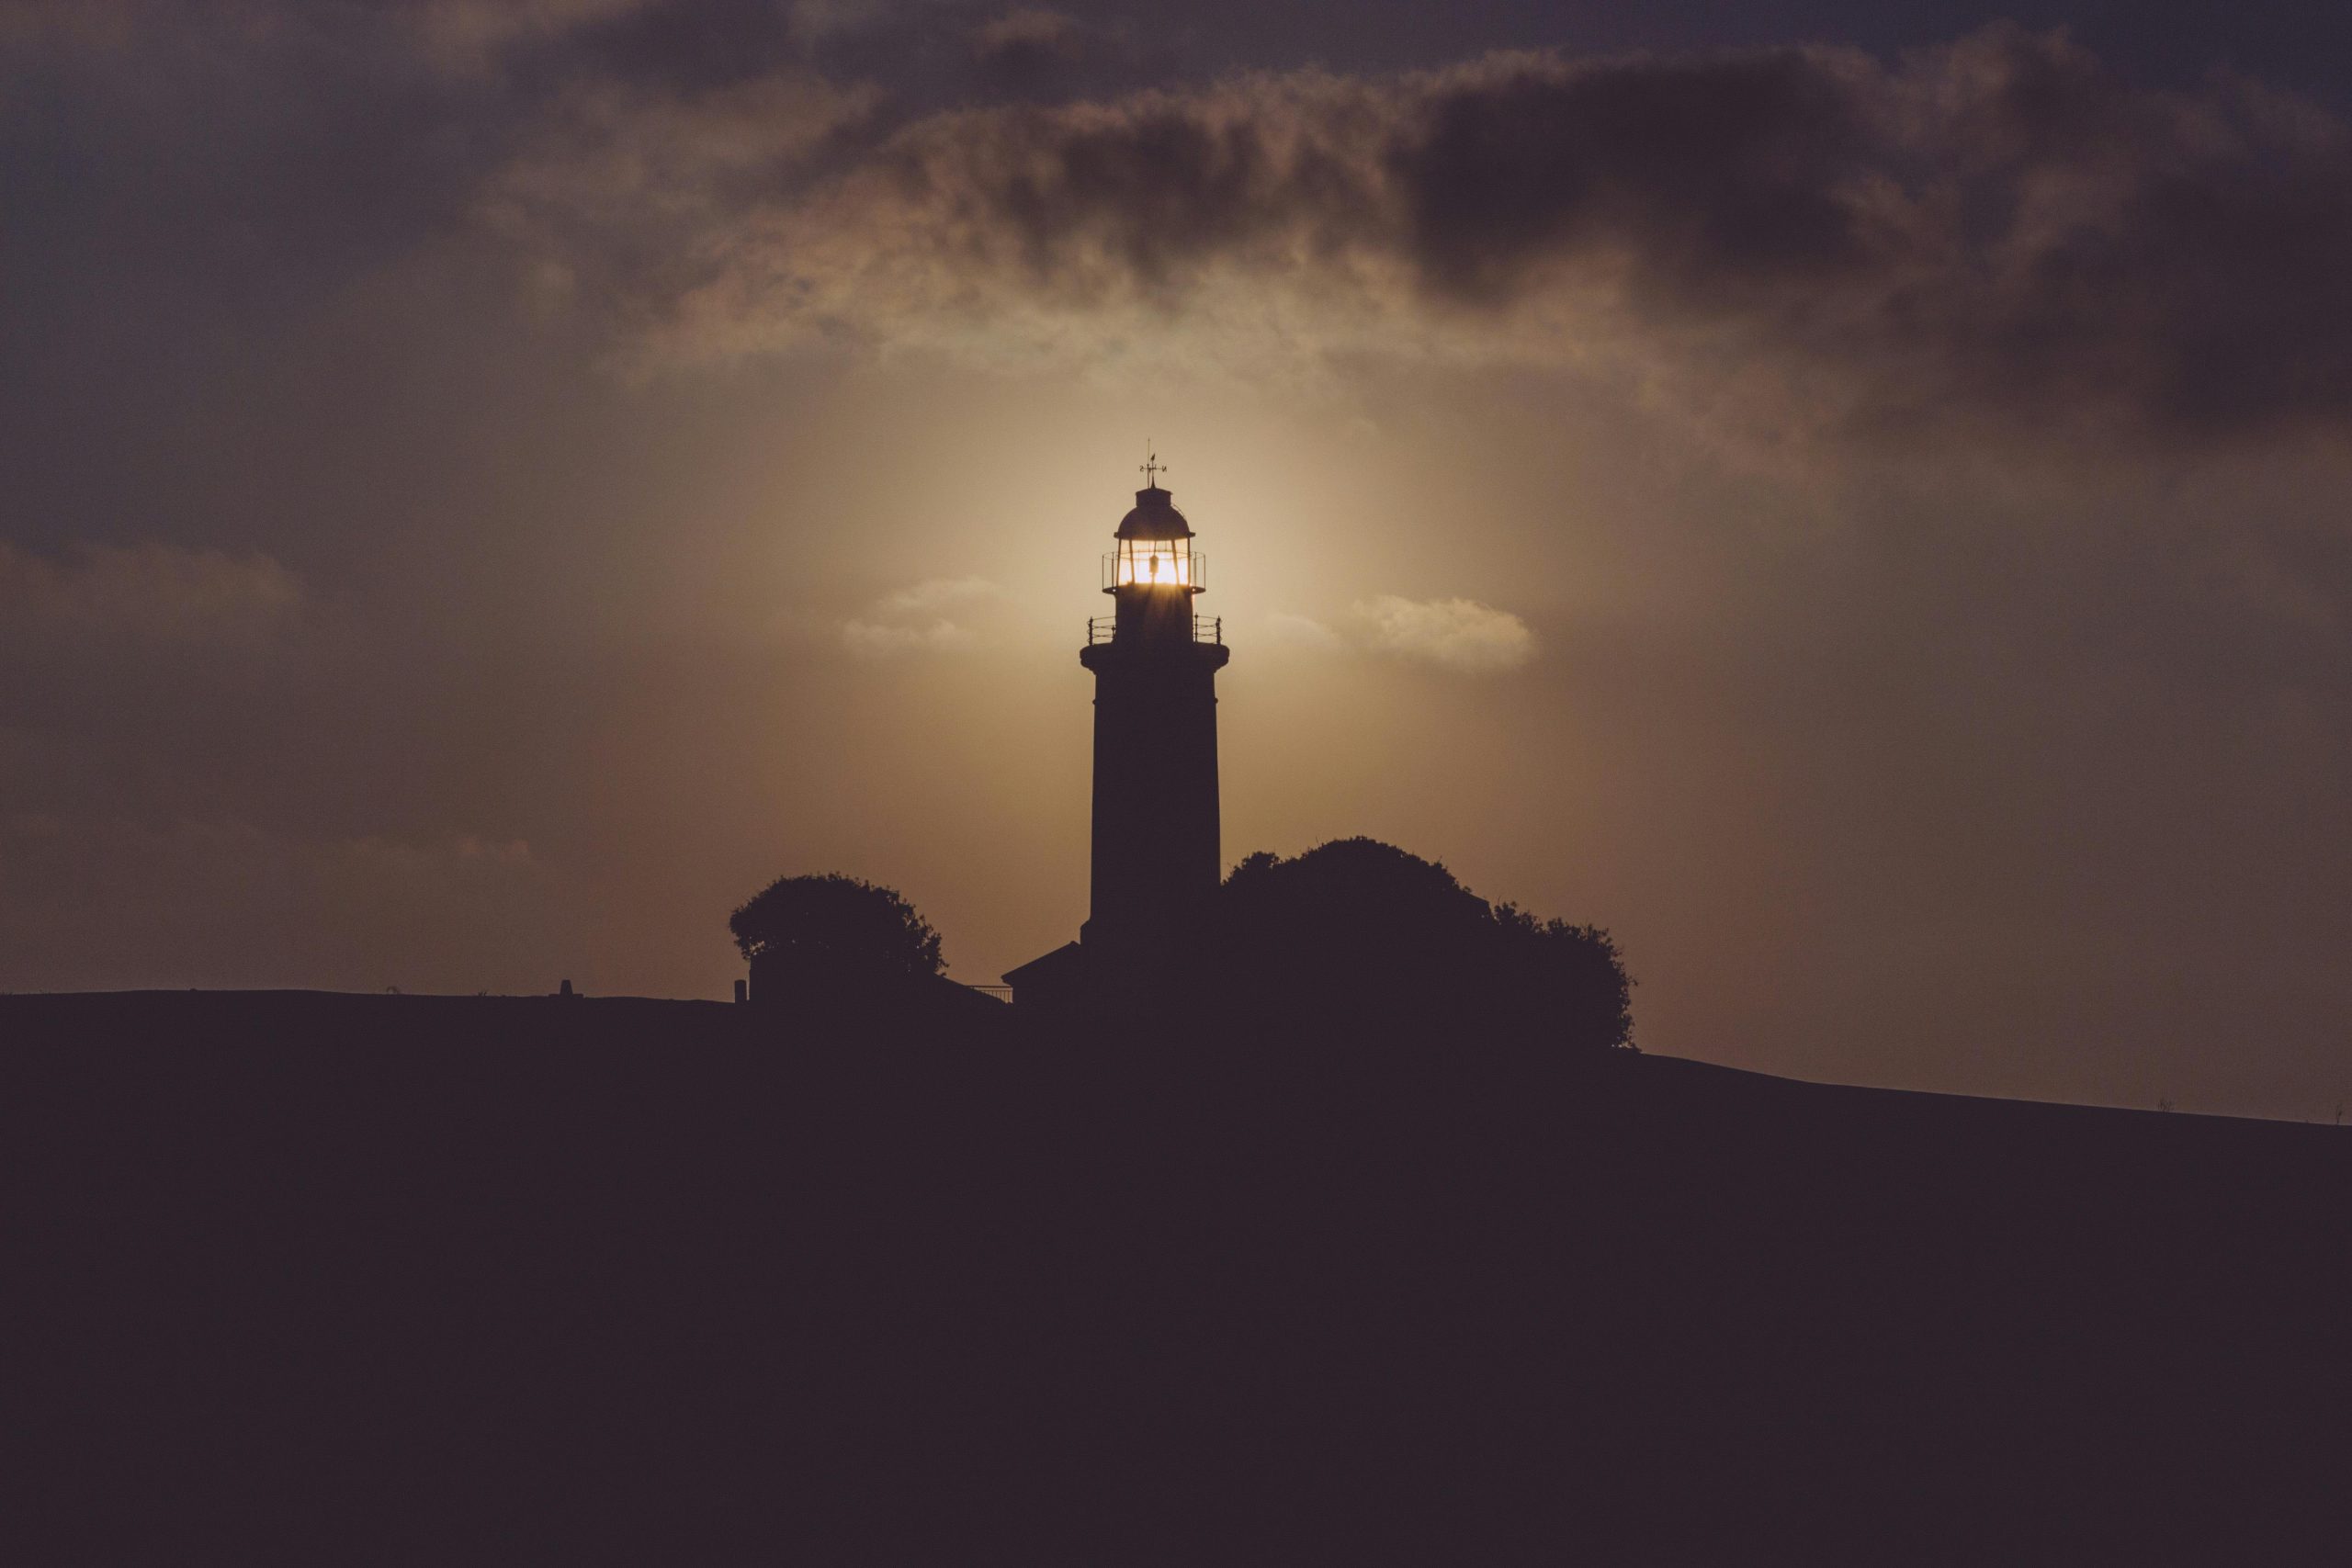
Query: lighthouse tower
(1157, 854)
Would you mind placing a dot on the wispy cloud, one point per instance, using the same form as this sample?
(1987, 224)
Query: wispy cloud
(1300, 631)
(935, 594)
(143, 595)
(915, 619)
(96, 898)
(876, 639)
(1460, 635)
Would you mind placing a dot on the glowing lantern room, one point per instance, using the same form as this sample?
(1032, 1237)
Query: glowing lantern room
(1153, 563)
(1154, 549)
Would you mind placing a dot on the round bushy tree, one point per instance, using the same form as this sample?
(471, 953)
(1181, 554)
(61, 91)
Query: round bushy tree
(836, 925)
(1351, 912)
(1360, 944)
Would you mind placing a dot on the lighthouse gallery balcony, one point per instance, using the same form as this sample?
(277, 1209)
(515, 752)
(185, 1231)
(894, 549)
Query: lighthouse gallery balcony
(1101, 630)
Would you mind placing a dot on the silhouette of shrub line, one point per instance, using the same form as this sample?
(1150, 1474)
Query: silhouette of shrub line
(1355, 943)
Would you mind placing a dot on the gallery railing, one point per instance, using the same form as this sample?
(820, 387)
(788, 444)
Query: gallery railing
(1206, 628)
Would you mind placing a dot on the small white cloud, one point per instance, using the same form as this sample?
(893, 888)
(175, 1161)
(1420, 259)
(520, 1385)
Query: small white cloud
(936, 592)
(1461, 635)
(874, 639)
(909, 620)
(1300, 631)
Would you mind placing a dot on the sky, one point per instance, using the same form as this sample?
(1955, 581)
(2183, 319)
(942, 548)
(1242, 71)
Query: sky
(1850, 497)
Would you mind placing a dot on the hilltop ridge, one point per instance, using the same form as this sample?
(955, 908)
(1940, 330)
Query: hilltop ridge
(613, 1281)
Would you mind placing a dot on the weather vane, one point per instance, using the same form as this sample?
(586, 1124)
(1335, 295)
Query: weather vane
(1151, 466)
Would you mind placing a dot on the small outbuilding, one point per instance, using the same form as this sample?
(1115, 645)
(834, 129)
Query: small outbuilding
(1053, 985)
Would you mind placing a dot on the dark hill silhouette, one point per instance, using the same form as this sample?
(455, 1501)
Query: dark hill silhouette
(316, 1278)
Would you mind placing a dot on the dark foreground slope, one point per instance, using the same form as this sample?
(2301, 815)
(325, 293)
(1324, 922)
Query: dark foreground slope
(417, 1281)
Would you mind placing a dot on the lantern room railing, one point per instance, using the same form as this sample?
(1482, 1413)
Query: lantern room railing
(1206, 628)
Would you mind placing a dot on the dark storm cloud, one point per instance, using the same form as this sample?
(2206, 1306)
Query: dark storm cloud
(2000, 229)
(1717, 179)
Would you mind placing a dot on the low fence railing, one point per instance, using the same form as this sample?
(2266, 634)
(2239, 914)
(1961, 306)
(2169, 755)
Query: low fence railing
(1206, 628)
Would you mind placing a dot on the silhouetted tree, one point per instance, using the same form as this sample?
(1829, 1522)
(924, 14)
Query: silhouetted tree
(1360, 943)
(1345, 914)
(1564, 982)
(836, 927)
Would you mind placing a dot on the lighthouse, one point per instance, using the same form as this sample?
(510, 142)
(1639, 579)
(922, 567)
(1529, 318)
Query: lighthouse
(1156, 855)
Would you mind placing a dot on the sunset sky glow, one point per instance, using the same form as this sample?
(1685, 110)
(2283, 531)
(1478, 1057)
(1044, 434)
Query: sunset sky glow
(1856, 504)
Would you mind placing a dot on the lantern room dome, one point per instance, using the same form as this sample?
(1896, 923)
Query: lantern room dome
(1155, 517)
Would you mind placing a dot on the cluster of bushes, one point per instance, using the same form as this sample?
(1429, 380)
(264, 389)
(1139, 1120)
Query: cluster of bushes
(1361, 936)
(1351, 943)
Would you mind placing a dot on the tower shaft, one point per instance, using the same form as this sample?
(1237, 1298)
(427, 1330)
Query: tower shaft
(1157, 850)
